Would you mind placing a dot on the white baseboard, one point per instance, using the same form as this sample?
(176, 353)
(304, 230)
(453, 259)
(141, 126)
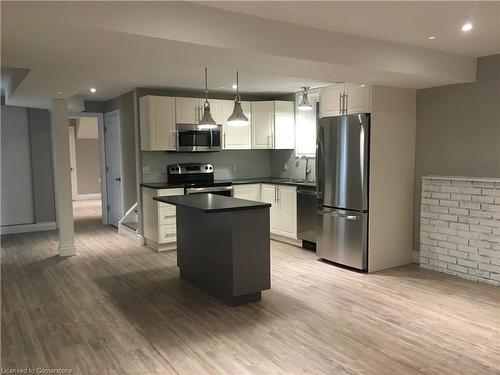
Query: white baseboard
(67, 250)
(26, 228)
(84, 197)
(416, 256)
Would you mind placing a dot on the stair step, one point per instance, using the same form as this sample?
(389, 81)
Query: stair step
(131, 225)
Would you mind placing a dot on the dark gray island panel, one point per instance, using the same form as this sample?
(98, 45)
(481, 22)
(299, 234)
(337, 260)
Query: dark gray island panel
(223, 245)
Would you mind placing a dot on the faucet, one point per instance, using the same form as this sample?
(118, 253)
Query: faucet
(308, 169)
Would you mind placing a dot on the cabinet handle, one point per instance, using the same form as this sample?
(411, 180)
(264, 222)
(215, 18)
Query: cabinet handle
(272, 138)
(341, 111)
(275, 193)
(224, 139)
(345, 103)
(279, 194)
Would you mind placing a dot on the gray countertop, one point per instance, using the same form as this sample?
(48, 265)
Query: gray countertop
(211, 203)
(239, 181)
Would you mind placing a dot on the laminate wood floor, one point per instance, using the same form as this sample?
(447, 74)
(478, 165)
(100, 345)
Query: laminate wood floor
(119, 308)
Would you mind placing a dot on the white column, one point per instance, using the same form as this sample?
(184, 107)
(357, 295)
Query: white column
(62, 177)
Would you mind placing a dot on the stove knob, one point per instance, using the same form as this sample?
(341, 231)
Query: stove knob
(206, 167)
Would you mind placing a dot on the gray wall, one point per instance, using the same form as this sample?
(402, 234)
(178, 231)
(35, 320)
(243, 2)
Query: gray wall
(42, 165)
(127, 131)
(458, 129)
(27, 176)
(88, 167)
(295, 167)
(249, 163)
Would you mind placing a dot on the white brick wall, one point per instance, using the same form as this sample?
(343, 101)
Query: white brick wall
(460, 227)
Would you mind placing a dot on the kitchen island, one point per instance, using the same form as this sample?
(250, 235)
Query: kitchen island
(223, 245)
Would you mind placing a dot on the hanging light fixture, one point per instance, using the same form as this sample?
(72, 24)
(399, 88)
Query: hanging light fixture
(304, 105)
(237, 118)
(207, 121)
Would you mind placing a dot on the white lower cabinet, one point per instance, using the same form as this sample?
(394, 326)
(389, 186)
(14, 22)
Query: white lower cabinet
(247, 191)
(159, 221)
(283, 212)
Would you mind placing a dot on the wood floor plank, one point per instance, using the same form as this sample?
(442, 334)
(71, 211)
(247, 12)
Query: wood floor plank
(119, 308)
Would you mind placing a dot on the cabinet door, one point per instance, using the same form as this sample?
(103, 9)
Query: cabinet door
(262, 124)
(287, 211)
(157, 123)
(250, 192)
(188, 110)
(268, 194)
(236, 137)
(284, 125)
(358, 98)
(330, 100)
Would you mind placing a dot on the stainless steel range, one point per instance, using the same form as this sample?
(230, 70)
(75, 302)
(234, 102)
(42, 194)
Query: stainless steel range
(198, 178)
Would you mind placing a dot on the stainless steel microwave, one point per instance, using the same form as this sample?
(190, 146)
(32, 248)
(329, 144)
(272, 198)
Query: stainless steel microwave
(198, 138)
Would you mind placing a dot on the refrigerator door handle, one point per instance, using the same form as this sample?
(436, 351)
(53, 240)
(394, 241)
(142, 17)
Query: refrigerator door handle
(338, 214)
(320, 162)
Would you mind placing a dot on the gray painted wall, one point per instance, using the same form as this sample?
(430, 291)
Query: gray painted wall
(458, 130)
(249, 163)
(42, 166)
(16, 185)
(127, 131)
(88, 167)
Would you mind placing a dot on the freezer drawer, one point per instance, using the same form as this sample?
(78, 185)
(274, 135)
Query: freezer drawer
(342, 237)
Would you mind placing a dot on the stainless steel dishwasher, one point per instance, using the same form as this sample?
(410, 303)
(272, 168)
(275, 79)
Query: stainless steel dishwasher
(307, 217)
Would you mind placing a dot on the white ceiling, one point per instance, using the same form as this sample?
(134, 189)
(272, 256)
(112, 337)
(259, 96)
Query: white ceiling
(116, 46)
(406, 22)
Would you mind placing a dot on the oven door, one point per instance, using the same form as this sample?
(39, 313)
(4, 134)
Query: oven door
(218, 190)
(191, 138)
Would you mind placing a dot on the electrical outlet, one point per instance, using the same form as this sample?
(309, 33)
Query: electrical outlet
(235, 169)
(163, 169)
(146, 169)
(285, 167)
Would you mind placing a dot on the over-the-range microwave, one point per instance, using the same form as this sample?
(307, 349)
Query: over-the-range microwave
(198, 138)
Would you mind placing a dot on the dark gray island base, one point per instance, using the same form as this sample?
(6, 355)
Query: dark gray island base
(223, 245)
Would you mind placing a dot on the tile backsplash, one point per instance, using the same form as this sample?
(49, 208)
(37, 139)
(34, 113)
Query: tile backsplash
(228, 164)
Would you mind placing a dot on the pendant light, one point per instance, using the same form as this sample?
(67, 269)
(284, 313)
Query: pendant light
(304, 105)
(237, 118)
(207, 121)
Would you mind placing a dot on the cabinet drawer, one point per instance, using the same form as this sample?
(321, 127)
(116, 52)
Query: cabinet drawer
(167, 233)
(168, 193)
(167, 220)
(166, 210)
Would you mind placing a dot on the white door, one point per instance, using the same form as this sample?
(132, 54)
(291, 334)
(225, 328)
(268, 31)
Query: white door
(113, 167)
(262, 124)
(236, 137)
(72, 163)
(330, 100)
(269, 195)
(287, 211)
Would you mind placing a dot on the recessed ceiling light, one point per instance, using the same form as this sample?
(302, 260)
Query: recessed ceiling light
(235, 87)
(93, 90)
(432, 37)
(363, 85)
(59, 92)
(467, 26)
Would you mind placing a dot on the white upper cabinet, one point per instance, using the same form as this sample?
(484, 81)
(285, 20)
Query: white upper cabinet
(263, 124)
(330, 100)
(273, 125)
(344, 99)
(357, 98)
(188, 110)
(236, 137)
(284, 125)
(157, 123)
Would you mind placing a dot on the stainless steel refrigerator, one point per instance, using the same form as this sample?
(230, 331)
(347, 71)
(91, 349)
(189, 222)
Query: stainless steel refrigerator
(342, 172)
